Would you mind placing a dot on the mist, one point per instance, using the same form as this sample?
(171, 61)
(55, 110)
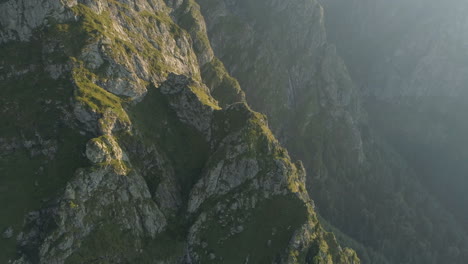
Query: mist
(410, 61)
(234, 131)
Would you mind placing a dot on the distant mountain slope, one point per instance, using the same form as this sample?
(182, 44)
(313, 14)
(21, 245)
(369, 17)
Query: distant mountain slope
(363, 186)
(415, 78)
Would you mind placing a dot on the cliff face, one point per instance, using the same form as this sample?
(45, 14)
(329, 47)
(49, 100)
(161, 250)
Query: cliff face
(362, 183)
(278, 51)
(279, 54)
(415, 80)
(402, 48)
(124, 140)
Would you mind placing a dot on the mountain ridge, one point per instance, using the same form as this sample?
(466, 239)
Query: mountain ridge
(161, 163)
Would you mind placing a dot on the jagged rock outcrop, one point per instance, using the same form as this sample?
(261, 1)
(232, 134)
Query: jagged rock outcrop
(125, 156)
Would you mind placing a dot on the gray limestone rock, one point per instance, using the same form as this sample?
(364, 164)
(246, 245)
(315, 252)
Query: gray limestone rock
(103, 149)
(191, 101)
(18, 19)
(138, 46)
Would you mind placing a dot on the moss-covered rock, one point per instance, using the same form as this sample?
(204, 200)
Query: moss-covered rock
(129, 87)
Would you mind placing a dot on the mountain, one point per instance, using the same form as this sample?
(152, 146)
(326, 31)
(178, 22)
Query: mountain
(366, 187)
(416, 72)
(125, 140)
(409, 58)
(248, 131)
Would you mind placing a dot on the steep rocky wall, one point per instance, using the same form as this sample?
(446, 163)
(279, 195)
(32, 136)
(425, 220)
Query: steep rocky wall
(278, 50)
(114, 149)
(402, 48)
(410, 58)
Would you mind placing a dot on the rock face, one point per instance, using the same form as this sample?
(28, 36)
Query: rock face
(415, 81)
(279, 52)
(123, 154)
(418, 50)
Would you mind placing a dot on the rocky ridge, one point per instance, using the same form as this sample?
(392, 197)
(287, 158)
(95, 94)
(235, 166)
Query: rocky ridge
(111, 107)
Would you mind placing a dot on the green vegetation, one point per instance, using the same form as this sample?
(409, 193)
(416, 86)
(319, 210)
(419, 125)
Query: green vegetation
(190, 19)
(113, 156)
(224, 88)
(157, 124)
(254, 131)
(19, 55)
(95, 97)
(159, 19)
(135, 41)
(37, 105)
(107, 244)
(95, 25)
(265, 236)
(204, 97)
(110, 244)
(32, 107)
(71, 36)
(28, 181)
(367, 255)
(151, 48)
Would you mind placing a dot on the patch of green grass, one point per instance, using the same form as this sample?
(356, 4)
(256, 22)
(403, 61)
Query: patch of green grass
(366, 254)
(95, 97)
(190, 18)
(161, 18)
(135, 41)
(204, 97)
(253, 130)
(96, 25)
(273, 219)
(92, 26)
(224, 88)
